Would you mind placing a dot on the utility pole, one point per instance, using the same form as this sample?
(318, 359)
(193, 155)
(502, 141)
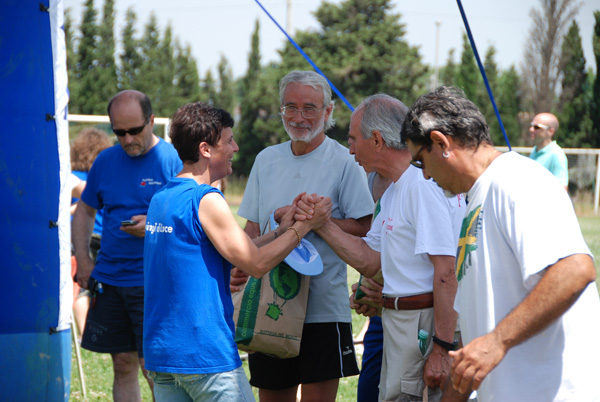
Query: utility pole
(435, 78)
(289, 18)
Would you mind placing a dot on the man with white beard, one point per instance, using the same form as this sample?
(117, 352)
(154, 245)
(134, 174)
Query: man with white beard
(313, 163)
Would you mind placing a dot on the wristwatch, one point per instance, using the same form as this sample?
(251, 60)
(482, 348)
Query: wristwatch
(444, 344)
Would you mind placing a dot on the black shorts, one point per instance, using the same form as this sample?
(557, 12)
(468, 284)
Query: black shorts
(326, 353)
(114, 323)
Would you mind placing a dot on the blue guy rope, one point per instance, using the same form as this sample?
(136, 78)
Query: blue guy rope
(482, 70)
(317, 69)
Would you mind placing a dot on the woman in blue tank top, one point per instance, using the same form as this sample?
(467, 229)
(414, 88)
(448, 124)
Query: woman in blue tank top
(192, 240)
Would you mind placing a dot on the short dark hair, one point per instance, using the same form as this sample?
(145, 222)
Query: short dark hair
(141, 97)
(446, 109)
(194, 123)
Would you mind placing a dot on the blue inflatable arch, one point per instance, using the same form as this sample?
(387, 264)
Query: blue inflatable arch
(35, 284)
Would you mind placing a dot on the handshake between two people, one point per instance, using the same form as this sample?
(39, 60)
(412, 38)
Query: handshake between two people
(311, 210)
(312, 207)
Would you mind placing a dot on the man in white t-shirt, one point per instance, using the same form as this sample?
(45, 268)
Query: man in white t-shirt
(526, 298)
(413, 241)
(314, 163)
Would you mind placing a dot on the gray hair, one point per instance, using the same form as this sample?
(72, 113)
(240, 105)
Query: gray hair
(385, 114)
(314, 80)
(447, 110)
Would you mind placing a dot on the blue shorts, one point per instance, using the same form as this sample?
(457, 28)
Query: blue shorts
(229, 386)
(115, 321)
(370, 374)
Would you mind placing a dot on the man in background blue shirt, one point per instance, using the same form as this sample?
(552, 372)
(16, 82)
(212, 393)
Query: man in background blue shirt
(122, 181)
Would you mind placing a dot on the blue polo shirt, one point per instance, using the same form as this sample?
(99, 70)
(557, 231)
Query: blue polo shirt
(553, 158)
(123, 186)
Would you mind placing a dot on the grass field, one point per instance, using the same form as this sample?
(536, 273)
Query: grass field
(98, 367)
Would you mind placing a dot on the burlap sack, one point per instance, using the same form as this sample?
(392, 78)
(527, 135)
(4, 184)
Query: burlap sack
(269, 312)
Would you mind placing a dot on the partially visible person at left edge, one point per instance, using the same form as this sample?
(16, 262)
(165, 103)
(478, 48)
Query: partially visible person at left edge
(122, 180)
(546, 151)
(191, 241)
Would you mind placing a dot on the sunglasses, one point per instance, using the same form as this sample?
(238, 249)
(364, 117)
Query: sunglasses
(131, 131)
(418, 164)
(538, 126)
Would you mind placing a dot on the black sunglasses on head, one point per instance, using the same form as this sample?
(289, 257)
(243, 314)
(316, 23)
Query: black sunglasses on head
(131, 131)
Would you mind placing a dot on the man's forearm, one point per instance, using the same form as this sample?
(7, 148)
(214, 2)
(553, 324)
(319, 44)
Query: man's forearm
(555, 293)
(352, 249)
(356, 227)
(444, 292)
(82, 228)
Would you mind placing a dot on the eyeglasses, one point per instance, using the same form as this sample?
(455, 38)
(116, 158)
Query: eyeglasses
(537, 126)
(418, 164)
(307, 113)
(131, 131)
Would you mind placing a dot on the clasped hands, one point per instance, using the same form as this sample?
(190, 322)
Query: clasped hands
(313, 210)
(312, 207)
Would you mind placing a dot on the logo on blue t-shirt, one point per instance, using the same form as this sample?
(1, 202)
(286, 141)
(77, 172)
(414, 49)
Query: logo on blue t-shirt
(158, 228)
(150, 182)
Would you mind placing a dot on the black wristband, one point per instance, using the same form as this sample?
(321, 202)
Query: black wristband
(444, 344)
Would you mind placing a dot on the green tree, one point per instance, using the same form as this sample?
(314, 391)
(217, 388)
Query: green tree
(106, 71)
(165, 69)
(157, 69)
(226, 97)
(509, 100)
(595, 102)
(209, 88)
(448, 72)
(251, 142)
(148, 49)
(85, 72)
(187, 80)
(72, 61)
(131, 59)
(362, 49)
(573, 108)
(468, 77)
(492, 74)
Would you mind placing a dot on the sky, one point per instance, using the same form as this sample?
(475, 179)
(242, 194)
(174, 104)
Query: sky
(223, 27)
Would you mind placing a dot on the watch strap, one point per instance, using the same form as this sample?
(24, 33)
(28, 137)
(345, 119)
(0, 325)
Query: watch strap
(444, 344)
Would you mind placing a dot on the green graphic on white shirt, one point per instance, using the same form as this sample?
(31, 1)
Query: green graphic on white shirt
(467, 242)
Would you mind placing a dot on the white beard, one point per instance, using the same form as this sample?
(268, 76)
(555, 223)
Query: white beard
(308, 137)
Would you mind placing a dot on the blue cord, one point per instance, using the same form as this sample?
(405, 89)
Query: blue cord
(482, 70)
(317, 69)
(464, 17)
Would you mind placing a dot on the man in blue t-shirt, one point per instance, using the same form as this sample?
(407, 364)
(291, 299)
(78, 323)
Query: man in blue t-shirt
(122, 181)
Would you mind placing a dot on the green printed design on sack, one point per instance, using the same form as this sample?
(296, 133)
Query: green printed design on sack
(285, 283)
(248, 312)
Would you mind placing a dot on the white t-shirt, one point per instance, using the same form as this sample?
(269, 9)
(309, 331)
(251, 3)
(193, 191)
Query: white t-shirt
(415, 220)
(519, 221)
(278, 176)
